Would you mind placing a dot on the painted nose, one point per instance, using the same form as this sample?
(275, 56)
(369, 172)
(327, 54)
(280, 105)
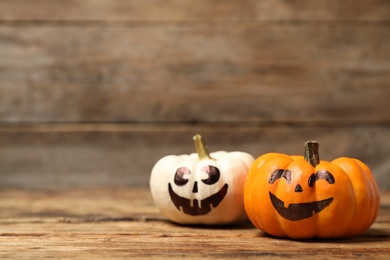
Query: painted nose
(298, 188)
(195, 188)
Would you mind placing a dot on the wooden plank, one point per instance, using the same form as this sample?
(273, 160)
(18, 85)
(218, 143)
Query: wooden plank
(38, 226)
(244, 72)
(110, 155)
(187, 10)
(24, 206)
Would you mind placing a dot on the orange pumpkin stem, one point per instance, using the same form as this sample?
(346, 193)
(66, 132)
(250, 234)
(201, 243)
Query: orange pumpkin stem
(201, 147)
(311, 153)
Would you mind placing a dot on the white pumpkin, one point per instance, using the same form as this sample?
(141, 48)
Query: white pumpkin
(201, 188)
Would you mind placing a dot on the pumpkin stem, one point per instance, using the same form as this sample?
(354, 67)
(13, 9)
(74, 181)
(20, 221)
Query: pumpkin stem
(311, 153)
(201, 147)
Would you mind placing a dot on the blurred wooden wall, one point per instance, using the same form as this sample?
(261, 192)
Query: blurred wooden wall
(94, 92)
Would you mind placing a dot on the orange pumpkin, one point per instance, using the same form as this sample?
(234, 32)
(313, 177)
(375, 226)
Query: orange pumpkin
(303, 197)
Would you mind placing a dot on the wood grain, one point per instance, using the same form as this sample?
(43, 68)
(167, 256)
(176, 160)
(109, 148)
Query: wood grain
(94, 92)
(187, 10)
(196, 73)
(124, 223)
(111, 155)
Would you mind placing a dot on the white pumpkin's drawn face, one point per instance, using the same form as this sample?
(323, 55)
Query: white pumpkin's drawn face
(196, 207)
(188, 189)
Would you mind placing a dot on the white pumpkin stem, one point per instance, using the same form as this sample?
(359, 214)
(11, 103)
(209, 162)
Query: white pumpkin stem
(201, 147)
(311, 154)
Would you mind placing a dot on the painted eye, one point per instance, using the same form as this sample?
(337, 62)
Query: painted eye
(279, 174)
(275, 175)
(312, 180)
(213, 174)
(179, 176)
(287, 175)
(323, 174)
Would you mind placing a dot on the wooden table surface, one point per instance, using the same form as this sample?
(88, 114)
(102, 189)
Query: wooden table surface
(124, 223)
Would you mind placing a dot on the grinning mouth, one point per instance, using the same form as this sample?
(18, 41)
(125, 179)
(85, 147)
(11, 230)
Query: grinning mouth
(206, 205)
(295, 212)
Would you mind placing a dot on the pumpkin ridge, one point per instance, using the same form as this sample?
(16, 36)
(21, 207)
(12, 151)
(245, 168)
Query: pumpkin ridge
(283, 161)
(374, 189)
(366, 198)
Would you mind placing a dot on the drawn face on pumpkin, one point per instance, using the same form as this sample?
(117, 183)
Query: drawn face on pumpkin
(185, 178)
(299, 211)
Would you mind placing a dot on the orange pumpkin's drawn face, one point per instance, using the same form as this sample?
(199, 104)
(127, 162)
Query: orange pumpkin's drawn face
(194, 207)
(301, 210)
(303, 197)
